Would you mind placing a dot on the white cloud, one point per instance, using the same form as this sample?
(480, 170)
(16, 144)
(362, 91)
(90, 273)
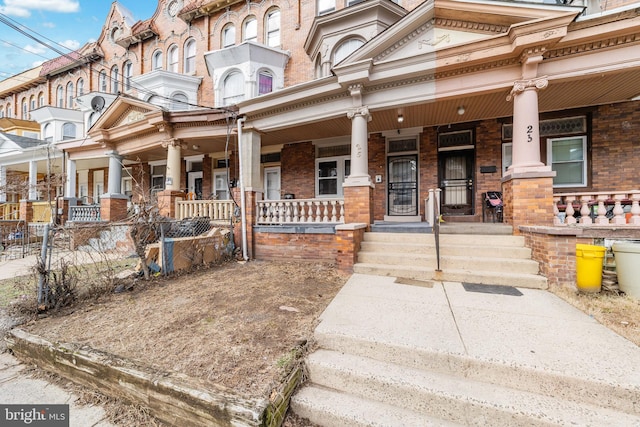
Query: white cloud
(36, 63)
(71, 44)
(37, 49)
(48, 24)
(23, 8)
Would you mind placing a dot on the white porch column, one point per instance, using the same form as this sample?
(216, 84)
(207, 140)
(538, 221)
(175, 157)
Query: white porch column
(70, 183)
(359, 116)
(33, 180)
(3, 184)
(174, 150)
(115, 173)
(250, 152)
(526, 126)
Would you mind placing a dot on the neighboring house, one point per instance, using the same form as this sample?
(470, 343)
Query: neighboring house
(351, 112)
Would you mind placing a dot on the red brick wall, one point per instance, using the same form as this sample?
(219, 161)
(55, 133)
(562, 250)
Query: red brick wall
(378, 166)
(488, 153)
(615, 150)
(534, 202)
(428, 165)
(113, 209)
(358, 202)
(298, 170)
(304, 247)
(348, 243)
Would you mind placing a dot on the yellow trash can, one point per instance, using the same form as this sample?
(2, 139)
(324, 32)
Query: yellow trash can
(589, 259)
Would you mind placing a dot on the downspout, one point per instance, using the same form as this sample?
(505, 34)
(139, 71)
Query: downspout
(243, 202)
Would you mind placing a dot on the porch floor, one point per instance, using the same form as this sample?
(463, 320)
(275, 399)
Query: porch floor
(445, 228)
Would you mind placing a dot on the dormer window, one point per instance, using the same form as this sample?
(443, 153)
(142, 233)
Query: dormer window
(265, 82)
(345, 49)
(233, 88)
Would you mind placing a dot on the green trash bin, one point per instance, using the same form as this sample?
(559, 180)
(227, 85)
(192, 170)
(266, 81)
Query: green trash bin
(589, 259)
(627, 255)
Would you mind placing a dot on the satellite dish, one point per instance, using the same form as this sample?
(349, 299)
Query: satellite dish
(97, 103)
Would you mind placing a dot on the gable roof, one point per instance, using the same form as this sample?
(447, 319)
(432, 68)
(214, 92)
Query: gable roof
(21, 142)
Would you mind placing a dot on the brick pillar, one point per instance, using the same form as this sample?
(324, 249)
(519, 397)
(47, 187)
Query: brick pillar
(167, 202)
(26, 210)
(113, 207)
(207, 176)
(528, 199)
(63, 204)
(358, 204)
(348, 239)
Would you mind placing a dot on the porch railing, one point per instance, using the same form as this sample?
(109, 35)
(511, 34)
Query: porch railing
(84, 213)
(10, 211)
(597, 208)
(300, 211)
(42, 211)
(216, 210)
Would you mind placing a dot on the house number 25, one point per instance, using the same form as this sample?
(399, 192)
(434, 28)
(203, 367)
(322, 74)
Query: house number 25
(529, 133)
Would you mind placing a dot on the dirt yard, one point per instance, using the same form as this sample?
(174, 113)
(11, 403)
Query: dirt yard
(234, 325)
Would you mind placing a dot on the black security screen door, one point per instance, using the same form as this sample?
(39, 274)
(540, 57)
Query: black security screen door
(403, 185)
(456, 181)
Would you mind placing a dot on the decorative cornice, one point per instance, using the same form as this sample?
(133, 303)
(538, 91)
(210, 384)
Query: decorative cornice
(415, 33)
(300, 105)
(478, 27)
(593, 46)
(520, 86)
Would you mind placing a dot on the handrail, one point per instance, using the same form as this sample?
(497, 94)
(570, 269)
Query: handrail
(434, 195)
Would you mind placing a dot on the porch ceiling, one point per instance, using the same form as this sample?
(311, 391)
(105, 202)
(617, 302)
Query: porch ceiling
(558, 96)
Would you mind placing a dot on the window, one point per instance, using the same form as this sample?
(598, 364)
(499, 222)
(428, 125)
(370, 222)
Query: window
(60, 96)
(326, 6)
(156, 62)
(93, 117)
(220, 189)
(233, 88)
(345, 49)
(330, 173)
(179, 101)
(265, 82)
(48, 132)
(272, 26)
(80, 87)
(70, 95)
(272, 183)
(41, 100)
(567, 157)
(32, 103)
(1, 112)
(68, 131)
(507, 159)
(25, 110)
(102, 81)
(318, 67)
(127, 73)
(9, 111)
(228, 35)
(190, 57)
(115, 79)
(250, 29)
(157, 177)
(172, 59)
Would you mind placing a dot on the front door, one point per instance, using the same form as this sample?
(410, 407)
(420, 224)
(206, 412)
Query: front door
(402, 186)
(195, 184)
(456, 182)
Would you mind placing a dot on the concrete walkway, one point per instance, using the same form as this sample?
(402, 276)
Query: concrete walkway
(472, 355)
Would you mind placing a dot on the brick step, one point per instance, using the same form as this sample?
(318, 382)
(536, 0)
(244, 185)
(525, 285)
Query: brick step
(447, 239)
(445, 249)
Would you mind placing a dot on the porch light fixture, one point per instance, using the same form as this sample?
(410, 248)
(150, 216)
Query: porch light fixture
(460, 110)
(400, 118)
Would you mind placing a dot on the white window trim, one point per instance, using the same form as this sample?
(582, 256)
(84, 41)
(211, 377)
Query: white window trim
(340, 175)
(264, 179)
(505, 166)
(550, 142)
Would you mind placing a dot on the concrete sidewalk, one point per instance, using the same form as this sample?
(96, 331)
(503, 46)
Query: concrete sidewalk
(16, 387)
(434, 353)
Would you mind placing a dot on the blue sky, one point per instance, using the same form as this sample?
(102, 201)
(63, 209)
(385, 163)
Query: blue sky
(71, 23)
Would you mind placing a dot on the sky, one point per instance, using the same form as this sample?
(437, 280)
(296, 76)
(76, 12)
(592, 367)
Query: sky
(70, 23)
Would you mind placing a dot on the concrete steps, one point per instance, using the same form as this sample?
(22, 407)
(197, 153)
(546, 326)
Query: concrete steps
(400, 355)
(492, 260)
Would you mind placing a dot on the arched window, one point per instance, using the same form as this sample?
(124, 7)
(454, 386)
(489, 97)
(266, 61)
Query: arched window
(228, 35)
(102, 81)
(319, 67)
(345, 49)
(272, 27)
(48, 132)
(157, 60)
(115, 79)
(92, 118)
(172, 59)
(25, 109)
(265, 82)
(233, 88)
(32, 103)
(60, 96)
(127, 73)
(68, 131)
(326, 6)
(80, 87)
(1, 112)
(70, 95)
(179, 101)
(9, 111)
(190, 57)
(250, 29)
(41, 99)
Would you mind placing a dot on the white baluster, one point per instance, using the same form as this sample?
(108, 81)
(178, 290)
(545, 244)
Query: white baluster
(280, 213)
(318, 216)
(635, 209)
(296, 212)
(585, 212)
(618, 211)
(556, 211)
(569, 210)
(302, 212)
(325, 212)
(341, 211)
(333, 211)
(287, 211)
(602, 210)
